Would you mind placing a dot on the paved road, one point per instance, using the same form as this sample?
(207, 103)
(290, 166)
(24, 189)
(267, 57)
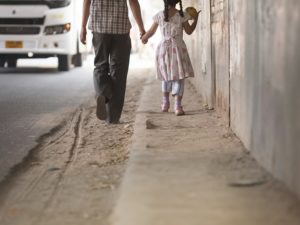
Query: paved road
(33, 99)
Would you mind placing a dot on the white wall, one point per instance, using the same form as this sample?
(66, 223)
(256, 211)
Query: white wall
(264, 74)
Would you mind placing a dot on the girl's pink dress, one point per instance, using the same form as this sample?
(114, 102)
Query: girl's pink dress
(172, 58)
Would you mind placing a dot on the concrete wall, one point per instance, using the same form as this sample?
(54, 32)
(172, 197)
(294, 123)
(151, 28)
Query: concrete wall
(272, 75)
(204, 81)
(220, 54)
(255, 72)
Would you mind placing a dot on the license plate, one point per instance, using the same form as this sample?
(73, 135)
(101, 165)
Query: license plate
(14, 44)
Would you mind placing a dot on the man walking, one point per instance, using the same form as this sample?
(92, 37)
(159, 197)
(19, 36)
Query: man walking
(110, 25)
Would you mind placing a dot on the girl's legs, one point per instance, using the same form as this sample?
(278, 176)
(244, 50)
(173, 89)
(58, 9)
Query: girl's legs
(165, 105)
(178, 107)
(166, 89)
(177, 91)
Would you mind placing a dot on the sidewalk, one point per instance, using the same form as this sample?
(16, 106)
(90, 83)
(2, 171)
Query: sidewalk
(192, 170)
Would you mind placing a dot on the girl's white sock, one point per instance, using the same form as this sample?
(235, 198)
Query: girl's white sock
(177, 103)
(166, 99)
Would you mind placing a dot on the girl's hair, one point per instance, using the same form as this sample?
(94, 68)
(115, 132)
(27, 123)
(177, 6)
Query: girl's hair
(172, 3)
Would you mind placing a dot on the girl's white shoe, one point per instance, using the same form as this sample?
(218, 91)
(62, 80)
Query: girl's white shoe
(165, 106)
(179, 111)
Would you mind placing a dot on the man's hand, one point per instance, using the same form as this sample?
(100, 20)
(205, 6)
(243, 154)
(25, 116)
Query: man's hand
(83, 36)
(85, 17)
(142, 32)
(136, 12)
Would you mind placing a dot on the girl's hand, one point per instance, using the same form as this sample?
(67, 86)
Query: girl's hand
(144, 39)
(149, 33)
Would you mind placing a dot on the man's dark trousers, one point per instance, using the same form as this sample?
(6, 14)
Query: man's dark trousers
(112, 53)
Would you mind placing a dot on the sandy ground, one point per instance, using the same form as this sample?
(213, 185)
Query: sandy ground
(73, 175)
(192, 170)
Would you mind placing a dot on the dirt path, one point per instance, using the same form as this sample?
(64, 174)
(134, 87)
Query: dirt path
(73, 176)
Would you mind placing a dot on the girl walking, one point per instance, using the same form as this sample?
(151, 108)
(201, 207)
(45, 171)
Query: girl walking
(173, 63)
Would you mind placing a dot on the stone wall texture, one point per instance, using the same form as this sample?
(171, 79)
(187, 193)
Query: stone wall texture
(246, 55)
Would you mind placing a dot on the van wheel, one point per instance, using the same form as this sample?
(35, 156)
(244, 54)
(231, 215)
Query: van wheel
(63, 62)
(77, 60)
(11, 63)
(2, 62)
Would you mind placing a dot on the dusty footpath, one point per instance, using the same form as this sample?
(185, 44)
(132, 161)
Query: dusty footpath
(192, 170)
(73, 175)
(152, 169)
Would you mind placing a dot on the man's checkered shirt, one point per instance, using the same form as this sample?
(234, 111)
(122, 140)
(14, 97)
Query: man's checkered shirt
(109, 16)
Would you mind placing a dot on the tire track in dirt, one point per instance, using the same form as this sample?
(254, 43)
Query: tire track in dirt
(73, 175)
(75, 128)
(70, 129)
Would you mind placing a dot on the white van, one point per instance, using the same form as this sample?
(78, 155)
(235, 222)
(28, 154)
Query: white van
(39, 29)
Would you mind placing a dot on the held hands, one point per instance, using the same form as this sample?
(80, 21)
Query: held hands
(142, 33)
(149, 33)
(144, 39)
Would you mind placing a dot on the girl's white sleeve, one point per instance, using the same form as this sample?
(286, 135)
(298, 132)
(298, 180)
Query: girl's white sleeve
(156, 18)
